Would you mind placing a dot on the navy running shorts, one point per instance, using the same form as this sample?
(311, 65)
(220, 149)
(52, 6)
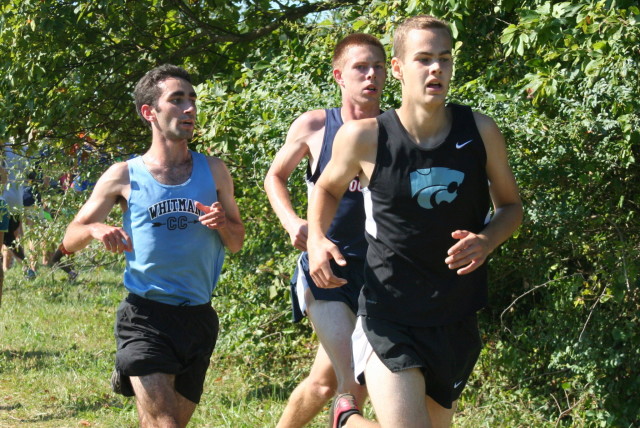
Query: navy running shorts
(154, 337)
(353, 272)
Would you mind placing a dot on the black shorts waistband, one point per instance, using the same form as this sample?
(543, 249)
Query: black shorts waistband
(136, 300)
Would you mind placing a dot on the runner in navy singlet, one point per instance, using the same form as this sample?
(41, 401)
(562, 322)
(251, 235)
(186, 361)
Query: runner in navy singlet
(430, 172)
(359, 69)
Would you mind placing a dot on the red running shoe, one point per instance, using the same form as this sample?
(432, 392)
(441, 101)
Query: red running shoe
(343, 406)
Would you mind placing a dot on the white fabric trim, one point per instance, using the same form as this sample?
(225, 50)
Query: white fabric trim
(361, 349)
(370, 224)
(301, 287)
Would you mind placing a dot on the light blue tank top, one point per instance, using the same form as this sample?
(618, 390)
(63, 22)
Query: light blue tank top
(175, 259)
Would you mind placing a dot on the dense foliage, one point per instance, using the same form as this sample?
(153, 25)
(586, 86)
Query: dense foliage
(561, 79)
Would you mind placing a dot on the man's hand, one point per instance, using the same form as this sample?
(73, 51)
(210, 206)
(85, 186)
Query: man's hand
(114, 239)
(321, 252)
(470, 251)
(214, 216)
(298, 233)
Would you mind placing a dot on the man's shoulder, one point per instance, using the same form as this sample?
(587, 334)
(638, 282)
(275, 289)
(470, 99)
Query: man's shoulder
(306, 132)
(312, 120)
(119, 167)
(464, 108)
(484, 123)
(218, 169)
(362, 127)
(212, 160)
(359, 137)
(118, 172)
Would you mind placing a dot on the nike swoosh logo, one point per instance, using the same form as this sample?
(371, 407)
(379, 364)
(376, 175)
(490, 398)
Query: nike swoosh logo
(457, 384)
(461, 145)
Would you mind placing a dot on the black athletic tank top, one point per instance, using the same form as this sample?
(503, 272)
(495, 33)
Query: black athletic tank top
(415, 199)
(347, 228)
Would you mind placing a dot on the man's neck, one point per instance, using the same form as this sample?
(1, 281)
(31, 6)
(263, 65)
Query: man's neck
(169, 167)
(428, 126)
(357, 112)
(168, 152)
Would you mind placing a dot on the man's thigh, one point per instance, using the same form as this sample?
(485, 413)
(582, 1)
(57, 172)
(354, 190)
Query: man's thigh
(398, 398)
(330, 315)
(332, 321)
(157, 399)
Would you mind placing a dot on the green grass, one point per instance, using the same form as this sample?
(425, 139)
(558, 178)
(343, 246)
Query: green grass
(57, 351)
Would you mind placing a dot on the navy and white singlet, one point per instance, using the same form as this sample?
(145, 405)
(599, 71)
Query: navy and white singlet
(347, 228)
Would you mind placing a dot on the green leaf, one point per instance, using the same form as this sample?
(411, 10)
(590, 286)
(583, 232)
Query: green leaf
(598, 46)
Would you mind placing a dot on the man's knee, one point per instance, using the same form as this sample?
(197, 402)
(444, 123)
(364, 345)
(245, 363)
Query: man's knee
(322, 387)
(149, 421)
(159, 404)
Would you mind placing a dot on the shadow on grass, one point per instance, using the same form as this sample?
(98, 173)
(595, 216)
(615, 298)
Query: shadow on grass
(36, 359)
(71, 409)
(39, 418)
(11, 407)
(278, 392)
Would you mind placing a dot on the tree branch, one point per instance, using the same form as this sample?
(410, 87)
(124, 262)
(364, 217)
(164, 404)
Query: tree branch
(291, 14)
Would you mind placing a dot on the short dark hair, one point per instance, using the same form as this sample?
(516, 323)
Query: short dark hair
(355, 39)
(147, 90)
(418, 22)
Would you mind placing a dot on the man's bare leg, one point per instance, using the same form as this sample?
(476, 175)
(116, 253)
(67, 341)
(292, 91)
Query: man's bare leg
(334, 323)
(438, 415)
(399, 398)
(158, 402)
(311, 395)
(7, 258)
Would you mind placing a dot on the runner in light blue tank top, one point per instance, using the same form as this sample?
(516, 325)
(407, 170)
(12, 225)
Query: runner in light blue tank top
(179, 211)
(161, 215)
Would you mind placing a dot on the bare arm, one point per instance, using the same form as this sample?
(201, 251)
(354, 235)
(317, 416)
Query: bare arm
(472, 250)
(354, 151)
(112, 187)
(307, 129)
(223, 215)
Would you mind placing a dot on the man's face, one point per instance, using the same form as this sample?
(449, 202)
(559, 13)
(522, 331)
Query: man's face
(175, 112)
(426, 67)
(361, 74)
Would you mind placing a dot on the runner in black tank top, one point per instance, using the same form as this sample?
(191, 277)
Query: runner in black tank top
(428, 168)
(416, 198)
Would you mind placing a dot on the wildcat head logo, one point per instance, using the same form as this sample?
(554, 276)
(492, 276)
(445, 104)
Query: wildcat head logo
(434, 186)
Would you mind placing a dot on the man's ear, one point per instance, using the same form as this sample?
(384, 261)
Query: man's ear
(148, 112)
(396, 68)
(337, 74)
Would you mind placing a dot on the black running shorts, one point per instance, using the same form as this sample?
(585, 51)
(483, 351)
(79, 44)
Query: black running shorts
(446, 354)
(10, 234)
(154, 337)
